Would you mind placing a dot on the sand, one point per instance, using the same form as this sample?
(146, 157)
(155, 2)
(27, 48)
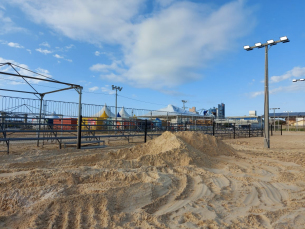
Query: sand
(178, 180)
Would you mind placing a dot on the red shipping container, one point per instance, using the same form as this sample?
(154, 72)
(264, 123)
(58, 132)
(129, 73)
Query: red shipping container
(65, 124)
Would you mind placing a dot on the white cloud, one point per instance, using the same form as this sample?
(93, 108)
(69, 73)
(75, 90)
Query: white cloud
(46, 44)
(29, 50)
(95, 88)
(58, 56)
(256, 93)
(43, 72)
(44, 51)
(94, 21)
(294, 87)
(107, 68)
(107, 90)
(69, 60)
(7, 25)
(14, 45)
(164, 3)
(163, 48)
(70, 46)
(98, 53)
(295, 72)
(17, 80)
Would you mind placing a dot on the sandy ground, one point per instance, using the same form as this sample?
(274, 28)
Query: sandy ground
(178, 180)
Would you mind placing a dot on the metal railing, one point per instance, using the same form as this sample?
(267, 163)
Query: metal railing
(20, 128)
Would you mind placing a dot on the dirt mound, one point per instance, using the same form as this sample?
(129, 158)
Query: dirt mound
(171, 149)
(207, 144)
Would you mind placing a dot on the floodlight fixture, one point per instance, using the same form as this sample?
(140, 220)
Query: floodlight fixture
(284, 39)
(295, 80)
(258, 44)
(116, 88)
(247, 47)
(271, 42)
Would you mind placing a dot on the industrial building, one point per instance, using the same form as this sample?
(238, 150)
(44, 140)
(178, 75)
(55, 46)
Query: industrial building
(243, 121)
(218, 113)
(221, 111)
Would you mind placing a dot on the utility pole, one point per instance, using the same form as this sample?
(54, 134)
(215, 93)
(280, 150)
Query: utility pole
(184, 102)
(274, 116)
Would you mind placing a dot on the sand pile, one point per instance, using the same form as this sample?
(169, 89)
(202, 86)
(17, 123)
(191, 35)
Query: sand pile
(171, 149)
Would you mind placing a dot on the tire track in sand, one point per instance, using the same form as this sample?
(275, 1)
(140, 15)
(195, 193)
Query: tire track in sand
(193, 189)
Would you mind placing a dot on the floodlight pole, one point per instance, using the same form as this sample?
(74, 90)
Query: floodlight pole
(266, 107)
(288, 118)
(266, 101)
(116, 88)
(274, 116)
(184, 102)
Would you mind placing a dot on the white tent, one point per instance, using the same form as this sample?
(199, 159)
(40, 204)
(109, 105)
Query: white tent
(107, 111)
(123, 113)
(170, 110)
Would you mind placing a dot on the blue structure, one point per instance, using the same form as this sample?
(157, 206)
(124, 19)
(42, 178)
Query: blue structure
(221, 111)
(212, 111)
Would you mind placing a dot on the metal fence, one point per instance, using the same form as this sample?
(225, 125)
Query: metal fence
(19, 128)
(31, 107)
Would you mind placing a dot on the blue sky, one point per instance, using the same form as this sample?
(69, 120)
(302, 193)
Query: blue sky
(159, 51)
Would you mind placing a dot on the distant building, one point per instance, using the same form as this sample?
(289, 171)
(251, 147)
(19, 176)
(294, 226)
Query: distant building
(213, 111)
(193, 109)
(221, 111)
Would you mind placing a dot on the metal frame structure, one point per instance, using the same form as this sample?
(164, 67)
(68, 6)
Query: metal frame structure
(266, 101)
(78, 88)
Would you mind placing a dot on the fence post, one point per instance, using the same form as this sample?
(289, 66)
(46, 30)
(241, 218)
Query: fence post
(145, 131)
(249, 130)
(79, 132)
(234, 131)
(281, 129)
(271, 130)
(213, 128)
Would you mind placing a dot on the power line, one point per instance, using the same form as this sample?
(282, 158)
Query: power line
(142, 101)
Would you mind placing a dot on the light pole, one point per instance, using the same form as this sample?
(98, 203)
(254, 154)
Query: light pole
(274, 116)
(266, 102)
(116, 88)
(295, 80)
(288, 117)
(184, 102)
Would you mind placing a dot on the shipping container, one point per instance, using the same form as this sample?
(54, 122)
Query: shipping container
(65, 124)
(93, 123)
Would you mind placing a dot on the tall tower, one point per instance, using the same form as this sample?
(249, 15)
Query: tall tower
(221, 111)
